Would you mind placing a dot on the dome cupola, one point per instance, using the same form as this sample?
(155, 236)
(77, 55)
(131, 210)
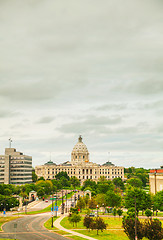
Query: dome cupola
(80, 152)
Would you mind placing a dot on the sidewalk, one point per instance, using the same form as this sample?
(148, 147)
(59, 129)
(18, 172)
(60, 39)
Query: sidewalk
(57, 225)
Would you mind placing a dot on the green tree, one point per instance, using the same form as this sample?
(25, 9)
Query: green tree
(80, 204)
(34, 176)
(143, 199)
(74, 182)
(62, 174)
(135, 182)
(40, 192)
(114, 212)
(158, 200)
(89, 184)
(41, 178)
(113, 199)
(57, 184)
(148, 213)
(74, 218)
(119, 212)
(104, 186)
(101, 200)
(119, 183)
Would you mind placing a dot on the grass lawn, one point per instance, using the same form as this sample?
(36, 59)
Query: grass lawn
(76, 237)
(114, 229)
(112, 223)
(48, 223)
(4, 220)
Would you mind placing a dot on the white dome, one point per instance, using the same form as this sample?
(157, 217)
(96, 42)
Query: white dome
(80, 152)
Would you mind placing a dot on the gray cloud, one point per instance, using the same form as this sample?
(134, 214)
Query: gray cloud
(46, 119)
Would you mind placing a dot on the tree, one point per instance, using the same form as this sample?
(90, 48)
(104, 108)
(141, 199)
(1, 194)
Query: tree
(148, 213)
(128, 224)
(41, 178)
(103, 186)
(87, 222)
(57, 184)
(143, 199)
(34, 176)
(153, 229)
(80, 204)
(74, 182)
(114, 212)
(74, 218)
(40, 192)
(158, 200)
(119, 183)
(135, 182)
(98, 224)
(89, 184)
(92, 203)
(119, 212)
(101, 200)
(62, 174)
(113, 199)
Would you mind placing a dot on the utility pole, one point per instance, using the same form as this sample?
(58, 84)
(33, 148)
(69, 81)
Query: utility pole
(135, 222)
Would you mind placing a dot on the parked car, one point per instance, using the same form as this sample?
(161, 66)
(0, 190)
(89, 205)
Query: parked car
(92, 215)
(46, 200)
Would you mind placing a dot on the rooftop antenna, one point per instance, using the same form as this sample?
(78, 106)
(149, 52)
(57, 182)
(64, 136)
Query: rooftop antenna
(10, 141)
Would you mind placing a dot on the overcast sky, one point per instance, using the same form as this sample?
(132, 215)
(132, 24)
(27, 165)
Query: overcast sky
(86, 67)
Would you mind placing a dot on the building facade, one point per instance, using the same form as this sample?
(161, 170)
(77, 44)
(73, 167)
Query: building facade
(80, 167)
(15, 168)
(156, 180)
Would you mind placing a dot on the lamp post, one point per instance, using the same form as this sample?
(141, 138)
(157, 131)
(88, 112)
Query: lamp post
(135, 222)
(97, 210)
(52, 209)
(56, 204)
(66, 202)
(62, 204)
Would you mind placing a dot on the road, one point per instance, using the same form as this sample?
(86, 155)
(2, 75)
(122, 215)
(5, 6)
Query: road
(29, 228)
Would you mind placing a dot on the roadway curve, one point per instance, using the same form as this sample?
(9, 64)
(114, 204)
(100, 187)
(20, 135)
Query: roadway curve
(29, 228)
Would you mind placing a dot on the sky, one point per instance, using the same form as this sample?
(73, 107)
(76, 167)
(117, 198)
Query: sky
(86, 67)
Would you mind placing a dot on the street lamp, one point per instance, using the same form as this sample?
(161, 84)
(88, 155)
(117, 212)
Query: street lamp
(62, 204)
(66, 202)
(52, 209)
(97, 210)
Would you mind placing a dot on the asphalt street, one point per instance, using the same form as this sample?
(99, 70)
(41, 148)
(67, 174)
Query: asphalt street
(29, 228)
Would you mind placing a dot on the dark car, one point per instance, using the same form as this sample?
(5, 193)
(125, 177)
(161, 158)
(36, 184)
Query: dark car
(92, 215)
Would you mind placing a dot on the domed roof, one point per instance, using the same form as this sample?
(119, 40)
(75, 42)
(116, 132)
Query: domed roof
(80, 146)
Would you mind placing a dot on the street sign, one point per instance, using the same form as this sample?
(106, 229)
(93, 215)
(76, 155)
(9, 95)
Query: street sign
(56, 208)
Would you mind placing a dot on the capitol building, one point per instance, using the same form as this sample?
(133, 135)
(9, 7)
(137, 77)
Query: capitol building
(80, 166)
